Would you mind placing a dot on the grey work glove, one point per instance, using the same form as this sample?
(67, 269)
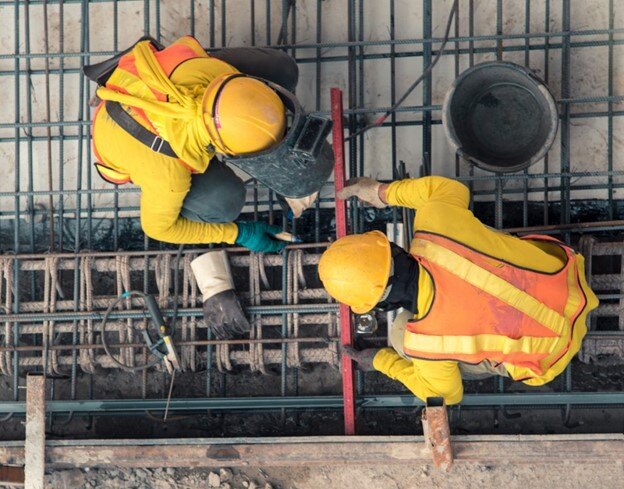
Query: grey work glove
(222, 310)
(364, 188)
(224, 316)
(363, 358)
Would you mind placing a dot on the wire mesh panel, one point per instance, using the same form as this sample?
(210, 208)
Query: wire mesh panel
(52, 201)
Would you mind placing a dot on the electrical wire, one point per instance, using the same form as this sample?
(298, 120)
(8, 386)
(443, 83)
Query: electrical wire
(380, 120)
(134, 293)
(176, 289)
(138, 368)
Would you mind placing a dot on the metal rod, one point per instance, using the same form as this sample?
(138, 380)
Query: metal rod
(83, 315)
(579, 226)
(96, 346)
(532, 400)
(348, 386)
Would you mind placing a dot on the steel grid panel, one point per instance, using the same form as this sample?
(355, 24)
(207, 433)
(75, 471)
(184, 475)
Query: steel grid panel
(375, 51)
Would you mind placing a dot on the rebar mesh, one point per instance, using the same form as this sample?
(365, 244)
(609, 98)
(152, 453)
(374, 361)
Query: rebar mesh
(51, 200)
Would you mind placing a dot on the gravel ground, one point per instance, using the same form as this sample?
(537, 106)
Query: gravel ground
(464, 476)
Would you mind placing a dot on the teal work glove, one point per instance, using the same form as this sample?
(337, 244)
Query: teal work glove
(259, 237)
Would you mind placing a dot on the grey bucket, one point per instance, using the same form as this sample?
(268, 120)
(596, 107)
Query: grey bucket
(500, 116)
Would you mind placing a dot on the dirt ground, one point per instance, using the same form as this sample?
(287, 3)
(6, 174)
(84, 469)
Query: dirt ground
(463, 476)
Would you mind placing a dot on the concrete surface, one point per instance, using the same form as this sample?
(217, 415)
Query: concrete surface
(467, 476)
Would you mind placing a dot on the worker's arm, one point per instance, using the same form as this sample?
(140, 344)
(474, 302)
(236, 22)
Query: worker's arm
(425, 378)
(161, 202)
(417, 192)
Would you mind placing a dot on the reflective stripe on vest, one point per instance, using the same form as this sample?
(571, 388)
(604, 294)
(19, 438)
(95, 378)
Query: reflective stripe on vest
(487, 309)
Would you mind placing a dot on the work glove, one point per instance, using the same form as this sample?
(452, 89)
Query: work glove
(299, 205)
(364, 188)
(259, 237)
(222, 310)
(363, 358)
(224, 316)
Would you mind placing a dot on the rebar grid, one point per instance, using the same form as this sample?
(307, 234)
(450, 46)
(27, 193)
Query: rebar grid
(382, 45)
(63, 337)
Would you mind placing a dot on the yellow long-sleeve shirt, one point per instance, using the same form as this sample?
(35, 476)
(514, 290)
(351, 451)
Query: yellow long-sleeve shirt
(442, 208)
(164, 181)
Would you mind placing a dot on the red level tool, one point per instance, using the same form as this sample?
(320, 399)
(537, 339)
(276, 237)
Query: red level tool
(346, 332)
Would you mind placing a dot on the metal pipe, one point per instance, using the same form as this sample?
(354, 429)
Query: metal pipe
(97, 346)
(346, 44)
(578, 226)
(84, 315)
(108, 406)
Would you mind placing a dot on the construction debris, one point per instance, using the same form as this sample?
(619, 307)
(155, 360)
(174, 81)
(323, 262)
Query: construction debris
(169, 478)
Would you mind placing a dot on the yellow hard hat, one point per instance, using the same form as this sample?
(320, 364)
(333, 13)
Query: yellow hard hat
(355, 269)
(242, 114)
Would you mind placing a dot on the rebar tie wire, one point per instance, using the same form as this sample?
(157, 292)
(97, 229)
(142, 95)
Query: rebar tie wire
(380, 120)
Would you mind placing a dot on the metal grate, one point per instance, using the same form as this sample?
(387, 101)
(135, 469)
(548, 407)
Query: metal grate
(51, 200)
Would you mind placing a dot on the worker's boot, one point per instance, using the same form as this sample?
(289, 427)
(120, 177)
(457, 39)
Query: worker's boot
(222, 310)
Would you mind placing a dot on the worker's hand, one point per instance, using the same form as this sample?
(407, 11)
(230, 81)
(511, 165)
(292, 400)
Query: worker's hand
(224, 316)
(259, 237)
(364, 188)
(363, 358)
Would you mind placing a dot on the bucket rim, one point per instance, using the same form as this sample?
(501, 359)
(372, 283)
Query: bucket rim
(541, 86)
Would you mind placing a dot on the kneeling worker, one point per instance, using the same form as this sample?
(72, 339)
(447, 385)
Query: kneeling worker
(480, 302)
(165, 113)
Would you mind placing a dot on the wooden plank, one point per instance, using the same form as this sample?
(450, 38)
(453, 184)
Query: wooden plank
(13, 476)
(437, 432)
(35, 431)
(345, 450)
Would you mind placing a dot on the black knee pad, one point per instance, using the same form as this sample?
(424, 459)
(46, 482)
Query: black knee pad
(217, 195)
(234, 202)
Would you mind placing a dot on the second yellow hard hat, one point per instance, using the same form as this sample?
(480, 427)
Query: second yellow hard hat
(355, 270)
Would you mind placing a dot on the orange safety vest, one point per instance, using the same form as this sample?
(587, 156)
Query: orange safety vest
(125, 79)
(487, 309)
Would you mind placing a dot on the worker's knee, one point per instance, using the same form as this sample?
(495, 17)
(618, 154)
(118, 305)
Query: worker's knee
(227, 204)
(218, 195)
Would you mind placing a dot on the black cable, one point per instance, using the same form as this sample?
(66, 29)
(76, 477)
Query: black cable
(134, 293)
(138, 368)
(176, 289)
(380, 120)
(281, 38)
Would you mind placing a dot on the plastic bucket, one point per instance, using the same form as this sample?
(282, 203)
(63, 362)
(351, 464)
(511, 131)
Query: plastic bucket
(500, 116)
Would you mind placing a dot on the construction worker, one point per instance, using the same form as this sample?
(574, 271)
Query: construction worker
(164, 114)
(478, 302)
